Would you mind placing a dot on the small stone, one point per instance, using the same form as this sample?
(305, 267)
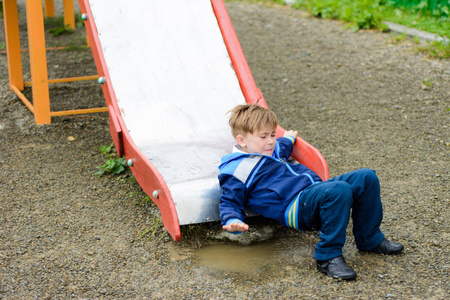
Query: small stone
(71, 288)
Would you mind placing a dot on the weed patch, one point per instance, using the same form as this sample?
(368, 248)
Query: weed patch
(57, 27)
(436, 49)
(114, 164)
(150, 232)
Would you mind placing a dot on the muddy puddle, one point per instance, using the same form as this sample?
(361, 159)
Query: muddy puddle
(253, 259)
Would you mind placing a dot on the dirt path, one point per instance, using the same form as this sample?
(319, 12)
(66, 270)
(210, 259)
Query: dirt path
(361, 100)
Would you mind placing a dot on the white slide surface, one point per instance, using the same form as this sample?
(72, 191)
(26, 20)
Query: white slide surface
(174, 84)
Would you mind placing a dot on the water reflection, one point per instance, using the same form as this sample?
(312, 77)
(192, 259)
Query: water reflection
(253, 259)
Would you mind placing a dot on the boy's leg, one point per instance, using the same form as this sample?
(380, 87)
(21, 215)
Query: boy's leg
(367, 210)
(326, 207)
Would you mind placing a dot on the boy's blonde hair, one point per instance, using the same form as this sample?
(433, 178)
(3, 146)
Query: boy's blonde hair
(249, 118)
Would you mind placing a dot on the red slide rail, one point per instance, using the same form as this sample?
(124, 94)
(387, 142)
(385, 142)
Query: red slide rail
(144, 171)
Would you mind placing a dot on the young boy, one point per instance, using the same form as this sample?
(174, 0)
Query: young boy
(257, 175)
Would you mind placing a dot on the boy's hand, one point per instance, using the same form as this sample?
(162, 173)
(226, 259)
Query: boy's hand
(291, 132)
(233, 227)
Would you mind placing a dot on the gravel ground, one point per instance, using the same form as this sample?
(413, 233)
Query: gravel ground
(361, 99)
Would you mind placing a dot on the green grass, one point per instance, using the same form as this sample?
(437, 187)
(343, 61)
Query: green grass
(436, 21)
(74, 47)
(437, 49)
(371, 14)
(56, 25)
(362, 14)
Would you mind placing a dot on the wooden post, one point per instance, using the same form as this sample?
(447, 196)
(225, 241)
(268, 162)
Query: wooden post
(13, 43)
(69, 14)
(38, 61)
(49, 9)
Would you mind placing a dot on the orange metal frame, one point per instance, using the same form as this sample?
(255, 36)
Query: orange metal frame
(38, 58)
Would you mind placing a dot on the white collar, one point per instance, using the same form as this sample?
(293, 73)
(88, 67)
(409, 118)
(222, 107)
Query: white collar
(238, 149)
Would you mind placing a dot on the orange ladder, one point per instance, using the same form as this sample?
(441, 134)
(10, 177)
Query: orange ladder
(38, 58)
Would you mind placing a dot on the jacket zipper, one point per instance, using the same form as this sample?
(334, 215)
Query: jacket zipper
(295, 173)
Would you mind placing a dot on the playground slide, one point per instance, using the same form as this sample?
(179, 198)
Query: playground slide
(170, 71)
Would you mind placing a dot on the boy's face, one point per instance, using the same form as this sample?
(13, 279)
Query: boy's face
(262, 142)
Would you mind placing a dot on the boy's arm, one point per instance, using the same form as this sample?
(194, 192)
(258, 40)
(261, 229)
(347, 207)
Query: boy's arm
(286, 144)
(231, 204)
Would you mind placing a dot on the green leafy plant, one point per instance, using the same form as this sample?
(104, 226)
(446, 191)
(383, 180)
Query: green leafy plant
(57, 27)
(113, 164)
(79, 22)
(61, 30)
(437, 8)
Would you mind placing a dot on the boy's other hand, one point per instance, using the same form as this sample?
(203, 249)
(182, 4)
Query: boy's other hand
(291, 132)
(233, 227)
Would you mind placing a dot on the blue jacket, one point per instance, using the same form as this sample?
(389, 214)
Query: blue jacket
(264, 184)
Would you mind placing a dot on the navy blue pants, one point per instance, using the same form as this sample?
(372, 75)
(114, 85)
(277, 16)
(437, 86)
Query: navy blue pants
(326, 207)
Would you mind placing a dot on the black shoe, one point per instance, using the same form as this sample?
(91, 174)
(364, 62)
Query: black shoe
(388, 247)
(336, 268)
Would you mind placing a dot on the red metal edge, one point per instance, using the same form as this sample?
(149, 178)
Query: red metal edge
(303, 152)
(144, 171)
(152, 181)
(115, 131)
(248, 86)
(91, 31)
(308, 155)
